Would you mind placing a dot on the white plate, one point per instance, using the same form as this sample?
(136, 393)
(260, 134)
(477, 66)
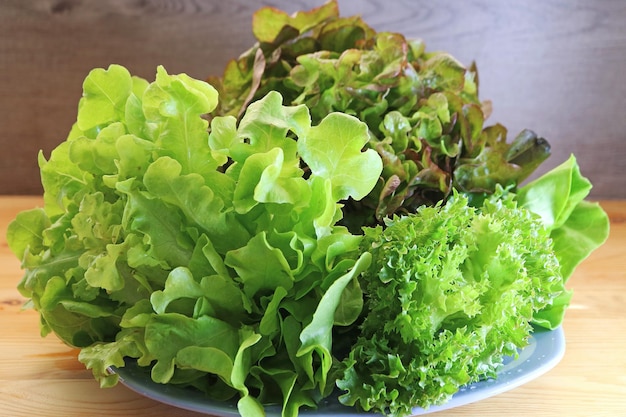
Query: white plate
(545, 350)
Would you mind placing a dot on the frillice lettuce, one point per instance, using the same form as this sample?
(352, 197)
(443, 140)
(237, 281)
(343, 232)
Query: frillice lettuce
(451, 291)
(455, 288)
(209, 257)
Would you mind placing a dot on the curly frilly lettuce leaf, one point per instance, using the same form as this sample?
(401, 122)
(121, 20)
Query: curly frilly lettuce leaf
(451, 291)
(205, 252)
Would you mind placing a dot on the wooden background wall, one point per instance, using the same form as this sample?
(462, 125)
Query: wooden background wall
(555, 66)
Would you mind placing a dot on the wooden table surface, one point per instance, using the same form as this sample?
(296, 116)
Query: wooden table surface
(42, 377)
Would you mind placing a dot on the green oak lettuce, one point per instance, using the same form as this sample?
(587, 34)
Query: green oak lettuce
(204, 252)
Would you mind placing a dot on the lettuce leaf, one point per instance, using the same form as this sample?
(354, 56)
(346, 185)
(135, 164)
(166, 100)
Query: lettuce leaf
(218, 242)
(422, 108)
(203, 251)
(577, 227)
(451, 291)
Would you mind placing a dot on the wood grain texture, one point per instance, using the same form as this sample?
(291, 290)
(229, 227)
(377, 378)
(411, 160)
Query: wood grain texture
(43, 378)
(555, 66)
